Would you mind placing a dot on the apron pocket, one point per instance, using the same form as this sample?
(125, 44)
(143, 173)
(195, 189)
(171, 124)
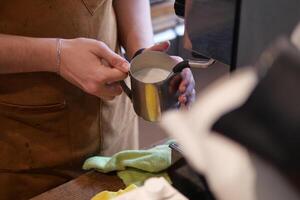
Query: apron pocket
(4, 106)
(34, 137)
(93, 5)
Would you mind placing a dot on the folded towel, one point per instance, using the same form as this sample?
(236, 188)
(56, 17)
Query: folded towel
(134, 166)
(107, 195)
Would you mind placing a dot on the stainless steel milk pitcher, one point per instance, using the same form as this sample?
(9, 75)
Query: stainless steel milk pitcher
(150, 100)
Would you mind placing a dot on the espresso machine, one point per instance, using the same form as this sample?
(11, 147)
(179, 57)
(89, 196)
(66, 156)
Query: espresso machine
(235, 32)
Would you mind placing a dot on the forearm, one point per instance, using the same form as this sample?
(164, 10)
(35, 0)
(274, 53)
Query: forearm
(24, 54)
(134, 24)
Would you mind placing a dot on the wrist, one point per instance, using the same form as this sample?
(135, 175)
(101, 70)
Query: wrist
(58, 54)
(48, 51)
(132, 50)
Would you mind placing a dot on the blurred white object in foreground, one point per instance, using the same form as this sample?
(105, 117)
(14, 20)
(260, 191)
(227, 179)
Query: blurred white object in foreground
(296, 37)
(226, 164)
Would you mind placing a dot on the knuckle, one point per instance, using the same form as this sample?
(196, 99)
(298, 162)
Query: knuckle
(187, 72)
(124, 76)
(115, 61)
(91, 88)
(100, 79)
(101, 45)
(105, 79)
(177, 58)
(116, 90)
(80, 38)
(119, 91)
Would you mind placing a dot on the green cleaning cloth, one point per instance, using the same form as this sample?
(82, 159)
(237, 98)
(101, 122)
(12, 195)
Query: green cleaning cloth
(138, 177)
(134, 166)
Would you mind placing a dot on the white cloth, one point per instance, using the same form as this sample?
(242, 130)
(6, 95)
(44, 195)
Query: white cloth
(296, 36)
(225, 163)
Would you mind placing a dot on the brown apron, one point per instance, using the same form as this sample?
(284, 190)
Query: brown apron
(48, 127)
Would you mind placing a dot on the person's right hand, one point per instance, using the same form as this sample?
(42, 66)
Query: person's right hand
(92, 66)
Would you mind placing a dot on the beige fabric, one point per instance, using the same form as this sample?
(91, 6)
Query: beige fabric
(119, 128)
(48, 127)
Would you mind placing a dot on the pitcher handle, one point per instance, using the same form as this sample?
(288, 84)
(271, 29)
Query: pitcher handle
(126, 89)
(195, 64)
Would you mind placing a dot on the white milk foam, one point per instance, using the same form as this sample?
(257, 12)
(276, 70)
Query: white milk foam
(151, 75)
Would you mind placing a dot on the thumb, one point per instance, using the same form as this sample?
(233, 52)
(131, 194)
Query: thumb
(162, 46)
(112, 58)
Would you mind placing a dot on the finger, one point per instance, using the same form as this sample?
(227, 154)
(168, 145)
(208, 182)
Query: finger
(187, 80)
(106, 98)
(177, 58)
(102, 90)
(188, 95)
(182, 99)
(111, 90)
(113, 59)
(189, 89)
(162, 46)
(191, 98)
(183, 85)
(113, 75)
(174, 83)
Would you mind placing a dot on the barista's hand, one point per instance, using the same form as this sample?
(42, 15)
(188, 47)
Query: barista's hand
(187, 85)
(93, 67)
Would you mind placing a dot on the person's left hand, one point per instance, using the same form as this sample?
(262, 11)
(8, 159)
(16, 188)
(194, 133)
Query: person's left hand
(187, 85)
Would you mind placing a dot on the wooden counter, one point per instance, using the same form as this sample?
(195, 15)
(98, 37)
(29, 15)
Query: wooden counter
(87, 185)
(84, 187)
